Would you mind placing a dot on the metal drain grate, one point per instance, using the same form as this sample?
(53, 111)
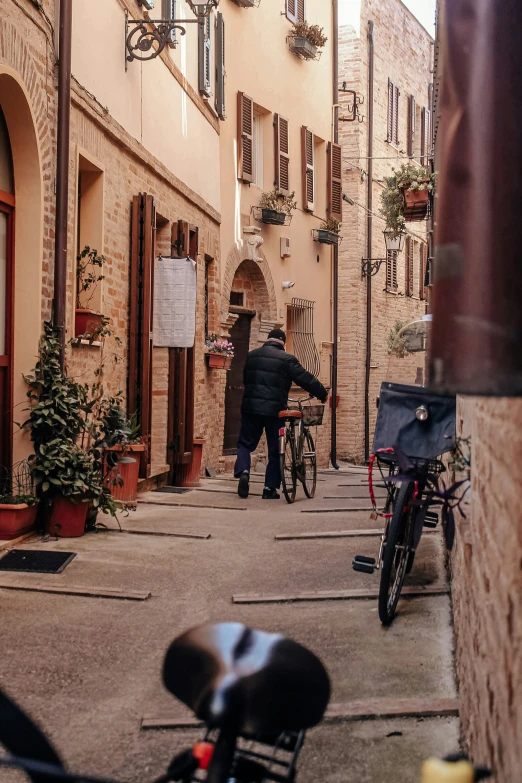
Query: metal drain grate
(37, 562)
(173, 490)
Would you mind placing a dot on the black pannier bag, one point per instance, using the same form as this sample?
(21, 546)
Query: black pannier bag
(398, 426)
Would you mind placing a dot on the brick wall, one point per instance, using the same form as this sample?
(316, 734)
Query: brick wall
(402, 52)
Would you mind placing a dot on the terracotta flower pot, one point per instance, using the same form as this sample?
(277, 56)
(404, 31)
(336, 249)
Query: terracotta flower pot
(416, 204)
(128, 466)
(67, 519)
(86, 322)
(188, 475)
(219, 361)
(16, 519)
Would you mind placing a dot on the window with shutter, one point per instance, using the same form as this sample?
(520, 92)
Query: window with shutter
(291, 10)
(204, 56)
(335, 181)
(391, 270)
(423, 271)
(425, 136)
(409, 266)
(393, 113)
(412, 108)
(220, 66)
(169, 12)
(282, 154)
(245, 130)
(308, 153)
(301, 10)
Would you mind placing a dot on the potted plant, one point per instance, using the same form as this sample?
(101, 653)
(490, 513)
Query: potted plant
(276, 206)
(189, 475)
(328, 233)
(219, 353)
(121, 444)
(67, 464)
(406, 196)
(306, 40)
(17, 515)
(88, 264)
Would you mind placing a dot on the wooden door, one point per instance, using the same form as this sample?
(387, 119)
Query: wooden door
(240, 337)
(6, 327)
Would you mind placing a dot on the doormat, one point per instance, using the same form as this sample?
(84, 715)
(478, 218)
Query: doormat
(173, 490)
(37, 562)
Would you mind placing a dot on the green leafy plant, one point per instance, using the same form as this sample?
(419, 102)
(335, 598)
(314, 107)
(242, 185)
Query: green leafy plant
(408, 176)
(312, 32)
(460, 457)
(278, 201)
(331, 224)
(398, 346)
(88, 262)
(18, 500)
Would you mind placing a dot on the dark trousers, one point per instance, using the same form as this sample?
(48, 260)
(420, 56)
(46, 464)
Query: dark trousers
(249, 436)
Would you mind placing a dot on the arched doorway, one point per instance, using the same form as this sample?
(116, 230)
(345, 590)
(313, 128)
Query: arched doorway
(7, 218)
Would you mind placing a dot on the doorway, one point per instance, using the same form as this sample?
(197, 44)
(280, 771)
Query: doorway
(240, 338)
(7, 211)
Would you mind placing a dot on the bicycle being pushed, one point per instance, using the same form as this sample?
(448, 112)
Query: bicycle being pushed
(296, 447)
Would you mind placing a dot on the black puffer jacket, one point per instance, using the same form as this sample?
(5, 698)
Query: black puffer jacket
(268, 376)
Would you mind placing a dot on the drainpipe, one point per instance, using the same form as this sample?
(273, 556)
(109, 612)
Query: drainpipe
(369, 246)
(335, 351)
(62, 173)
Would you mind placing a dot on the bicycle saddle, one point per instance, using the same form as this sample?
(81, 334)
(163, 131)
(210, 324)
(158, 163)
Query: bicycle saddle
(249, 681)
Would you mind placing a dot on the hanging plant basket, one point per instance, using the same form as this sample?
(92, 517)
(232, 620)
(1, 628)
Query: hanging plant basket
(416, 204)
(219, 361)
(325, 237)
(304, 48)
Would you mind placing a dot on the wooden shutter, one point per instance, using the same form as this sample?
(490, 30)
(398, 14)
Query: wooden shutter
(301, 10)
(169, 12)
(396, 93)
(220, 66)
(423, 271)
(282, 154)
(335, 181)
(412, 108)
(425, 136)
(245, 137)
(139, 391)
(409, 266)
(391, 270)
(391, 91)
(181, 388)
(204, 57)
(308, 153)
(291, 10)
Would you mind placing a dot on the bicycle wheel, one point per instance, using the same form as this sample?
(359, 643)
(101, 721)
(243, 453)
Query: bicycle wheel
(396, 553)
(308, 473)
(288, 467)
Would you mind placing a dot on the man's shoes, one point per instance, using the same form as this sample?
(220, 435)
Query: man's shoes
(270, 494)
(244, 484)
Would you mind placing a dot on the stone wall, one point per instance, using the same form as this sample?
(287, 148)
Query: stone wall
(403, 52)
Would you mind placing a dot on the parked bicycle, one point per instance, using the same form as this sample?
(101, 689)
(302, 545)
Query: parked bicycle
(416, 427)
(297, 448)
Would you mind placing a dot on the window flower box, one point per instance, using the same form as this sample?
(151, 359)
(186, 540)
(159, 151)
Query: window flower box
(219, 361)
(246, 3)
(326, 237)
(416, 204)
(303, 47)
(272, 217)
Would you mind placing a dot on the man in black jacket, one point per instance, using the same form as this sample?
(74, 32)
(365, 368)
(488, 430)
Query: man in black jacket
(268, 375)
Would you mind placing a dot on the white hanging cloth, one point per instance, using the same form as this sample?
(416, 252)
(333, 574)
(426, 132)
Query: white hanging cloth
(174, 302)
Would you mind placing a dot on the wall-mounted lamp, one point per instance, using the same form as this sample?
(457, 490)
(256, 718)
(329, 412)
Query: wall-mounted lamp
(394, 244)
(143, 42)
(287, 284)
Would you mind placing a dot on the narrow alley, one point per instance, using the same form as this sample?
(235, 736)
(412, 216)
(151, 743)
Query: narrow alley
(88, 668)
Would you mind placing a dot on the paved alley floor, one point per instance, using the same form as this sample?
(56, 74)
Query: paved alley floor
(88, 669)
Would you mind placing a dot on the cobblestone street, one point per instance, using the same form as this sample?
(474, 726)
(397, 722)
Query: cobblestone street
(89, 668)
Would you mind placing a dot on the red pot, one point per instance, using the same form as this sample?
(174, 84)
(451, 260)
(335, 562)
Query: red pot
(16, 519)
(219, 361)
(66, 519)
(129, 472)
(86, 322)
(188, 475)
(416, 204)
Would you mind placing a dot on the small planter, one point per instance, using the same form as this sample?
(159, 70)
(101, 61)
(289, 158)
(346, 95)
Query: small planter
(219, 361)
(67, 519)
(16, 519)
(326, 237)
(128, 466)
(303, 48)
(272, 217)
(189, 475)
(416, 204)
(86, 322)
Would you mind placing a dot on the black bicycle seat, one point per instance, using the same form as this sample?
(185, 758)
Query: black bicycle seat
(249, 681)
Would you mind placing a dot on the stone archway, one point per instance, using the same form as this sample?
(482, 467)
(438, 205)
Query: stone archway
(26, 119)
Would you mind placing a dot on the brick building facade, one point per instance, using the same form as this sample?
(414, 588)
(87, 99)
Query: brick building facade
(402, 55)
